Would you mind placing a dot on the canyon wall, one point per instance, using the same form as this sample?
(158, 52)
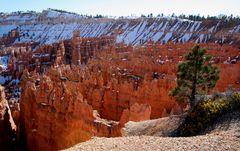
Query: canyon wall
(84, 87)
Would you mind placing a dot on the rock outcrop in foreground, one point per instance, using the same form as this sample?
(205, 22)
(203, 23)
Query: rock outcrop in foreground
(7, 126)
(157, 127)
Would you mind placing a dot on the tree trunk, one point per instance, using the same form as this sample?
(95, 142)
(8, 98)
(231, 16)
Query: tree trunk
(194, 88)
(192, 99)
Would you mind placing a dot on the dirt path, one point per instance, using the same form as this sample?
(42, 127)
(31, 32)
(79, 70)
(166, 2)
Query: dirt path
(212, 142)
(225, 135)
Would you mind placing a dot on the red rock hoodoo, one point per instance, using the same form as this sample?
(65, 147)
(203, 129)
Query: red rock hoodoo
(54, 114)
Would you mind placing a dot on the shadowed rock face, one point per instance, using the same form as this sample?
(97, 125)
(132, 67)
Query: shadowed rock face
(6, 132)
(7, 126)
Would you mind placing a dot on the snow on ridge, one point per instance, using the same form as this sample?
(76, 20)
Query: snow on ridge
(5, 29)
(55, 14)
(186, 37)
(167, 37)
(52, 14)
(136, 31)
(235, 29)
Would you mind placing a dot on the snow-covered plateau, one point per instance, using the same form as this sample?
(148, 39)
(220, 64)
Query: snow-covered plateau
(51, 26)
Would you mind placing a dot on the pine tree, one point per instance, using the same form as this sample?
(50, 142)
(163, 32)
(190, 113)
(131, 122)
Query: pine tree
(195, 75)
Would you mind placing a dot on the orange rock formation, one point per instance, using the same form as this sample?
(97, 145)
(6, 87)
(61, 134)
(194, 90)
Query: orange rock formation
(54, 114)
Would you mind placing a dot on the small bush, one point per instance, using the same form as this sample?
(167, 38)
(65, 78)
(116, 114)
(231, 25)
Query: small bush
(205, 113)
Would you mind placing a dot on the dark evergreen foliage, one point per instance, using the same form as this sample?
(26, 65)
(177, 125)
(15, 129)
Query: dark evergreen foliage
(195, 75)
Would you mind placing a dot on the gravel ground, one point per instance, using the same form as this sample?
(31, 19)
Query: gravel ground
(220, 141)
(224, 136)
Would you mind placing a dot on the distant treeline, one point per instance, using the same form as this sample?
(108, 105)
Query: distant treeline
(220, 17)
(62, 11)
